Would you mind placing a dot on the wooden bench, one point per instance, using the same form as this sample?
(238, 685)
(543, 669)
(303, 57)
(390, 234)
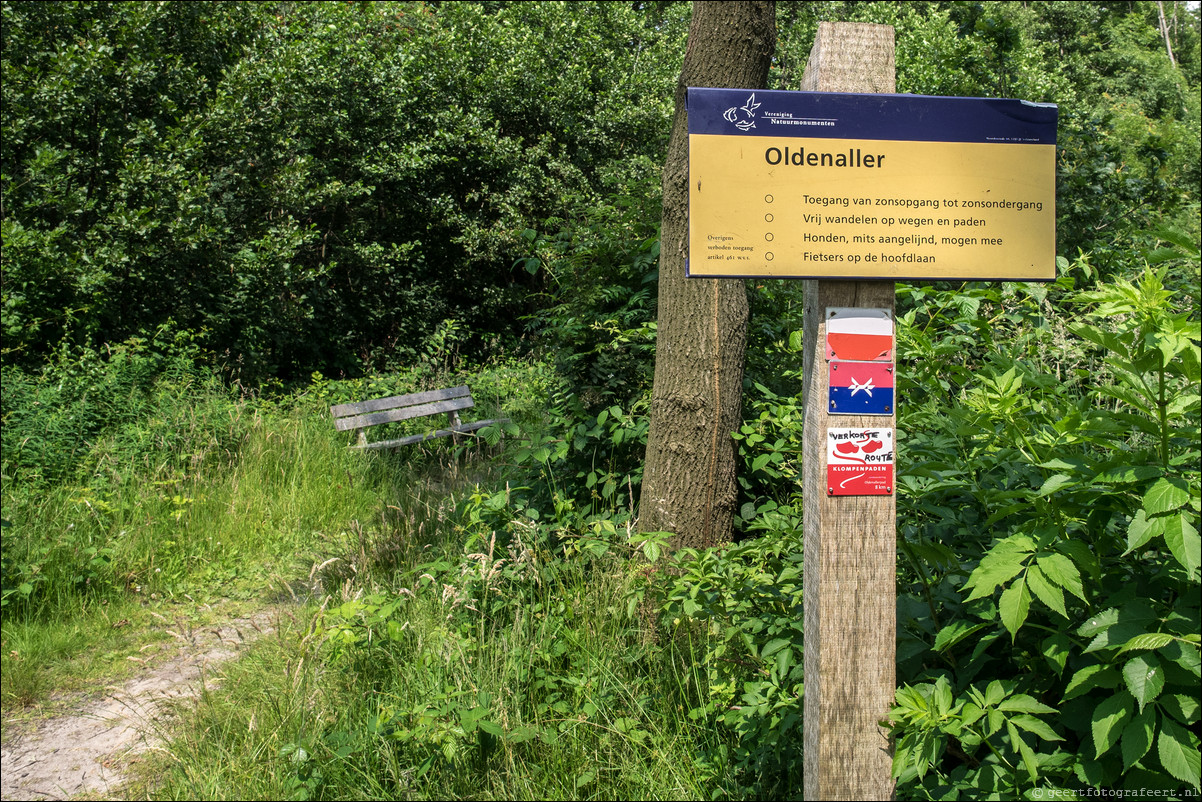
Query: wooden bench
(362, 415)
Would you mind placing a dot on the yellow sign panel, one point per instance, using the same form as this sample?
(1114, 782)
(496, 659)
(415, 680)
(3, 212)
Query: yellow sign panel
(798, 206)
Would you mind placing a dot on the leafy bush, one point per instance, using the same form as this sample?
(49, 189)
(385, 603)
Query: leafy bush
(80, 438)
(743, 603)
(1054, 514)
(310, 187)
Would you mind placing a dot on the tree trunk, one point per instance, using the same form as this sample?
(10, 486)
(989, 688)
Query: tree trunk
(689, 485)
(1164, 31)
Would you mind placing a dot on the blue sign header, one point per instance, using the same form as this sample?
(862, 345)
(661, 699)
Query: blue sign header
(829, 115)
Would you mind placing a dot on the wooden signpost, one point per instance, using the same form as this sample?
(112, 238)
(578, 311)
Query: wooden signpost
(850, 593)
(851, 191)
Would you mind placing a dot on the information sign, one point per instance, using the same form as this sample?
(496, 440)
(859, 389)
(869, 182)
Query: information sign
(859, 462)
(828, 185)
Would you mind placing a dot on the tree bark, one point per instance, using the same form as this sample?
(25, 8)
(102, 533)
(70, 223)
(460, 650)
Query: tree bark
(689, 477)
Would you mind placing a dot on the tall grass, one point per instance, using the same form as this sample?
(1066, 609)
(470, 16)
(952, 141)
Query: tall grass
(454, 633)
(454, 664)
(132, 478)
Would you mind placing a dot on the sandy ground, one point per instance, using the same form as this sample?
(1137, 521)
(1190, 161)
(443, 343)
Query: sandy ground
(87, 752)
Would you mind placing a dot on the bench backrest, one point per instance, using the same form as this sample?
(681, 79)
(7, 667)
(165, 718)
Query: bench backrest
(400, 407)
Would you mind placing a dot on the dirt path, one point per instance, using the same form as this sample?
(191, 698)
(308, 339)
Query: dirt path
(87, 752)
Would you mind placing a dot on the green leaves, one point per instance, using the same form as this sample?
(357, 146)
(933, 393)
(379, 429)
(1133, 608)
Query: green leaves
(1144, 677)
(1181, 536)
(319, 187)
(749, 597)
(1165, 495)
(1013, 606)
(1076, 521)
(1140, 670)
(1178, 751)
(1001, 564)
(1160, 518)
(1046, 578)
(929, 715)
(1137, 737)
(1108, 720)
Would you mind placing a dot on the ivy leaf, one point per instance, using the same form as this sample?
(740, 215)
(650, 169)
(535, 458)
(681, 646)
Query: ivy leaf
(1144, 676)
(1178, 749)
(1013, 606)
(1108, 721)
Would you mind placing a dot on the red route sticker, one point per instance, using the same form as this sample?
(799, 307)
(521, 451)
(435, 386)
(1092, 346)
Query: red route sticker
(861, 335)
(859, 462)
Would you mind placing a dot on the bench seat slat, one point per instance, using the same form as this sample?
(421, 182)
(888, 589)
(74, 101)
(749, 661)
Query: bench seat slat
(404, 413)
(417, 438)
(378, 404)
(365, 414)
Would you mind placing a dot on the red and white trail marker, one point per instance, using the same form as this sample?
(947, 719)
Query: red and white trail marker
(860, 335)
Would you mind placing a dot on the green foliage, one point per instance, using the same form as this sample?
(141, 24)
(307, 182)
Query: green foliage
(314, 185)
(320, 187)
(769, 445)
(743, 603)
(56, 420)
(600, 308)
(499, 658)
(78, 438)
(995, 722)
(1050, 505)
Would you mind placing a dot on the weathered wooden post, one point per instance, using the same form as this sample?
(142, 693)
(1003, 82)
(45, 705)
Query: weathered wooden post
(850, 541)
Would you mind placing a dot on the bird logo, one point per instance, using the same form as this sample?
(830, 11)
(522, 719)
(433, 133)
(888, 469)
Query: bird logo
(743, 116)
